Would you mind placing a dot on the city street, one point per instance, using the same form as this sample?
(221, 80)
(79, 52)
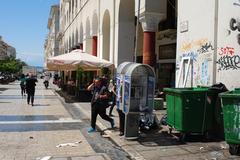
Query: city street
(56, 130)
(166, 72)
(46, 129)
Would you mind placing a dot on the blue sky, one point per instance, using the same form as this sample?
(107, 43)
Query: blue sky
(23, 25)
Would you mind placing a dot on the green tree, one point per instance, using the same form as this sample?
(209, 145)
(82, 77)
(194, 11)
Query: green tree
(11, 65)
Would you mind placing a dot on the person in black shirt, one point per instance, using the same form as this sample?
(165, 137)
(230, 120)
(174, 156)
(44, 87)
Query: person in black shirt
(99, 103)
(30, 88)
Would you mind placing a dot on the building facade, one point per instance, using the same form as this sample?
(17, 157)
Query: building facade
(208, 38)
(6, 50)
(51, 46)
(107, 28)
(187, 46)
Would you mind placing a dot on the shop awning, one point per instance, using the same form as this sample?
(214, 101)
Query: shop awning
(77, 58)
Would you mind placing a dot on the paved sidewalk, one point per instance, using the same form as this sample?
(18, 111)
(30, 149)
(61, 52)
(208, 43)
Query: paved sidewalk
(161, 145)
(30, 133)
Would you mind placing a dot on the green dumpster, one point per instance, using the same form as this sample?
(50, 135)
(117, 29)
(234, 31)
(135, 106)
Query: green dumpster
(190, 110)
(231, 118)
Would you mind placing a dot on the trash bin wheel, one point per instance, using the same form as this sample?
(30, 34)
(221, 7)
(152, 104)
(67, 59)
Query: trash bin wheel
(182, 137)
(206, 135)
(234, 149)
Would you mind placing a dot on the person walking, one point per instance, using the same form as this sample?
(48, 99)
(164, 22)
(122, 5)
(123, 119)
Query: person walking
(23, 84)
(46, 80)
(119, 102)
(111, 89)
(30, 88)
(99, 103)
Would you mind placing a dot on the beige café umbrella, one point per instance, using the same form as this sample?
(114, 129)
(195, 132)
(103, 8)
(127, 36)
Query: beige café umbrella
(74, 59)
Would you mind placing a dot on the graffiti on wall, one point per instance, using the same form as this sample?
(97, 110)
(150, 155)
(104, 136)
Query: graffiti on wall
(193, 55)
(200, 51)
(207, 47)
(228, 62)
(201, 73)
(226, 51)
(228, 59)
(235, 27)
(205, 78)
(187, 46)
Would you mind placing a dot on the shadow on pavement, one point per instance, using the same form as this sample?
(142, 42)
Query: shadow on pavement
(164, 138)
(153, 139)
(3, 89)
(39, 127)
(5, 102)
(41, 105)
(28, 117)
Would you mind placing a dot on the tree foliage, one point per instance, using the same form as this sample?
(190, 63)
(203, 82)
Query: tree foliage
(11, 65)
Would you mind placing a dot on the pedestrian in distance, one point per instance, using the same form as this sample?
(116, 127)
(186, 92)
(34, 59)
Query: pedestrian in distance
(30, 88)
(23, 84)
(46, 80)
(111, 89)
(99, 103)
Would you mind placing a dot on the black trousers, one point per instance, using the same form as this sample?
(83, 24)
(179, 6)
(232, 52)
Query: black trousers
(30, 96)
(121, 120)
(111, 108)
(98, 110)
(23, 89)
(112, 105)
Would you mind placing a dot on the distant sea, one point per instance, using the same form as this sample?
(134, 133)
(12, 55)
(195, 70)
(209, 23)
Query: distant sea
(39, 69)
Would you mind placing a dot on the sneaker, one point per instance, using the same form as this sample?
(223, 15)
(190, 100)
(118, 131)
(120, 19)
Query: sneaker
(90, 130)
(32, 104)
(112, 123)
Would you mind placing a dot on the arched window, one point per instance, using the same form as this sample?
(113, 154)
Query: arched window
(76, 4)
(72, 6)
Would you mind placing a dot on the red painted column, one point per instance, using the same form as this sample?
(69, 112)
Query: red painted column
(149, 48)
(94, 45)
(81, 46)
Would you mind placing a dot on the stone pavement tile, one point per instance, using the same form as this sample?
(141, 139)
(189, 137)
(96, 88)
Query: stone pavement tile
(46, 103)
(156, 154)
(98, 156)
(214, 155)
(43, 144)
(139, 147)
(204, 147)
(89, 158)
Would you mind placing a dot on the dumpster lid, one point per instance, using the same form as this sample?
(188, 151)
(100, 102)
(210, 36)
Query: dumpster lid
(186, 90)
(231, 94)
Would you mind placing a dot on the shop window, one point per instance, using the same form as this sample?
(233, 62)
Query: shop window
(167, 51)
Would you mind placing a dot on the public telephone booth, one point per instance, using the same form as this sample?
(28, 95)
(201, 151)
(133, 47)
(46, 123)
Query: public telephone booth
(119, 83)
(137, 95)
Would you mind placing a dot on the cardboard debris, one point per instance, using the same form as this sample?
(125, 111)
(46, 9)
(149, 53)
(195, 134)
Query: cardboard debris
(75, 144)
(46, 158)
(106, 136)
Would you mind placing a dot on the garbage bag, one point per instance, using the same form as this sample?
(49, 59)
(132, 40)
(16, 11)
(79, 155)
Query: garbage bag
(148, 121)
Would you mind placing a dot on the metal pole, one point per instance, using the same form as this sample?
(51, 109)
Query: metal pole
(136, 38)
